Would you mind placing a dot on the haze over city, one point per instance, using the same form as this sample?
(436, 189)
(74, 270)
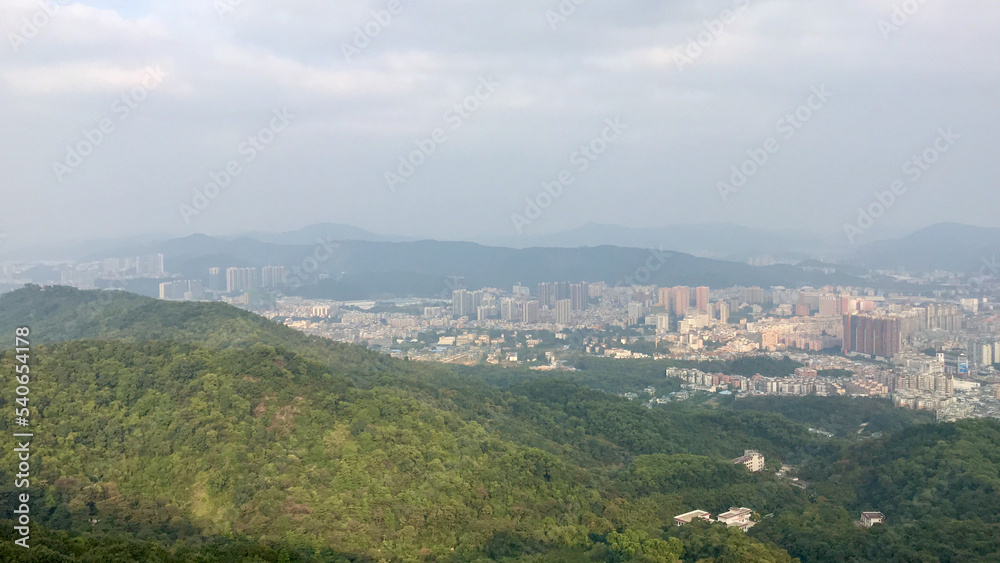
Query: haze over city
(638, 109)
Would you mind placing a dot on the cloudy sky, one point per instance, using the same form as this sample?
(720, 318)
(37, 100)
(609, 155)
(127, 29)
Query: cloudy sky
(316, 108)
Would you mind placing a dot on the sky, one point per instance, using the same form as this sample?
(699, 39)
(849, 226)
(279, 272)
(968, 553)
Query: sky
(456, 119)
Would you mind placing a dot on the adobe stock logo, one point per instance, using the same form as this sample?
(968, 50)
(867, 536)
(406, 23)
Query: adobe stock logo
(582, 158)
(380, 21)
(563, 12)
(757, 158)
(454, 118)
(901, 15)
(914, 169)
(32, 25)
(687, 54)
(250, 149)
(123, 107)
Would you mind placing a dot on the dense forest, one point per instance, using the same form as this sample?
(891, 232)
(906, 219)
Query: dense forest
(198, 432)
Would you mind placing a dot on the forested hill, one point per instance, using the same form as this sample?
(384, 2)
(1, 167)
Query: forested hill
(57, 313)
(197, 432)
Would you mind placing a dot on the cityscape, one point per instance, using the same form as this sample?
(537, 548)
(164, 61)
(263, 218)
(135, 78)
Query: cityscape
(934, 348)
(567, 281)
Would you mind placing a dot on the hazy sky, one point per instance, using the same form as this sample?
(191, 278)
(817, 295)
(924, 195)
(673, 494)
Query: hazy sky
(337, 92)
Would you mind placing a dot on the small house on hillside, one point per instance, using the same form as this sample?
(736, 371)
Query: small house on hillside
(869, 519)
(688, 517)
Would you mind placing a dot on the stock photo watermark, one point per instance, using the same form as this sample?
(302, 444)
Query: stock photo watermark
(686, 54)
(92, 138)
(563, 12)
(786, 128)
(310, 265)
(226, 7)
(990, 264)
(249, 149)
(427, 146)
(902, 13)
(582, 159)
(365, 34)
(642, 275)
(32, 25)
(913, 169)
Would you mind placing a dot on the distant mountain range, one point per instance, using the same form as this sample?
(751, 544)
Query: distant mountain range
(322, 231)
(365, 269)
(367, 264)
(946, 246)
(722, 241)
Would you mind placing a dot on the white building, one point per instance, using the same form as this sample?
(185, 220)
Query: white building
(737, 518)
(869, 519)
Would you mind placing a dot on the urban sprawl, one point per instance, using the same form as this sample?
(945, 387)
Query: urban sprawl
(923, 349)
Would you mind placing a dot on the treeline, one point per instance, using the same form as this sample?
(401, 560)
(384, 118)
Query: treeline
(846, 417)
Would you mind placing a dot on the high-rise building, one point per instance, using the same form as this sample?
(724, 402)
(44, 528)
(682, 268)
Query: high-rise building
(545, 295)
(564, 311)
(461, 303)
(562, 290)
(579, 296)
(723, 312)
(702, 298)
(242, 279)
(985, 357)
(681, 300)
(215, 280)
(828, 306)
(478, 298)
(177, 290)
(876, 336)
(150, 265)
(484, 312)
(272, 276)
(529, 311)
(510, 310)
(754, 295)
(664, 300)
(636, 311)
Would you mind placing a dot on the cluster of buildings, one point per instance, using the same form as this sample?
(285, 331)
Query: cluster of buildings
(741, 518)
(99, 274)
(563, 298)
(234, 282)
(928, 347)
(804, 382)
(922, 384)
(916, 350)
(881, 334)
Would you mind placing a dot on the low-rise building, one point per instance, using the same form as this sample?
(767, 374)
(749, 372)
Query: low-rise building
(688, 517)
(869, 519)
(751, 459)
(737, 518)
